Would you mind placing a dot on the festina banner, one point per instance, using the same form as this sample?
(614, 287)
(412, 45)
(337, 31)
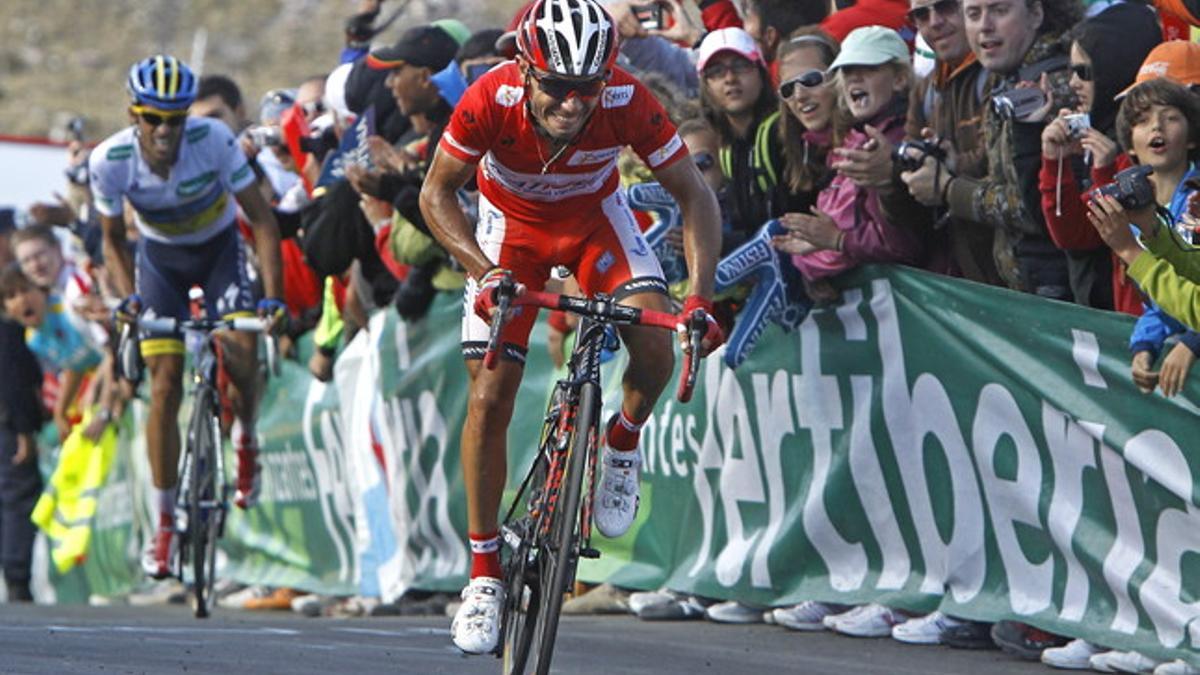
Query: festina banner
(925, 443)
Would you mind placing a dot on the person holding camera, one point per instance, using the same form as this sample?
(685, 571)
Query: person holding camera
(1158, 126)
(1018, 42)
(1079, 147)
(945, 118)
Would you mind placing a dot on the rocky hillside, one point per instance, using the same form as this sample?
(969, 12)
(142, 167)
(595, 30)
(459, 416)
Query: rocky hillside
(62, 58)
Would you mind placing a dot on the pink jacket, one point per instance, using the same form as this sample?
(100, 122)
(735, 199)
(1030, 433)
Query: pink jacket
(869, 236)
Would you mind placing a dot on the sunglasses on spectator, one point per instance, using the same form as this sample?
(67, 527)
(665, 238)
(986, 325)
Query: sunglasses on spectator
(561, 88)
(1083, 71)
(738, 66)
(921, 15)
(808, 80)
(154, 118)
(704, 160)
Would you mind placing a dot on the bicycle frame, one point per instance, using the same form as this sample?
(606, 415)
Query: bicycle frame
(546, 541)
(202, 499)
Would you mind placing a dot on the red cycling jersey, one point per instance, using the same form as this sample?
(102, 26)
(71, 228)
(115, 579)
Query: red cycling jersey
(517, 173)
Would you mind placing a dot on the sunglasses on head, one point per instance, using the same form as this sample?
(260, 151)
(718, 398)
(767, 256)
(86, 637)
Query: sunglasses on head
(561, 88)
(1083, 71)
(808, 80)
(921, 15)
(155, 118)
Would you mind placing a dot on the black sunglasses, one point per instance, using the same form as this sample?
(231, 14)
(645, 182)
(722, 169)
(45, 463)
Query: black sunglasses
(562, 88)
(808, 80)
(920, 15)
(704, 160)
(155, 119)
(1083, 71)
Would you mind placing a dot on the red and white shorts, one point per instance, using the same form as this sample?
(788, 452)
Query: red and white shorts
(604, 249)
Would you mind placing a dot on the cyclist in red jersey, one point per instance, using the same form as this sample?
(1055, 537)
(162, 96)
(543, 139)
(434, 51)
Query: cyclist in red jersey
(542, 134)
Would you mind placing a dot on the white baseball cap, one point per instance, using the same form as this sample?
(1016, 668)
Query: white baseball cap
(733, 40)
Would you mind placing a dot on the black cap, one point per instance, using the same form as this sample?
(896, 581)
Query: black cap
(422, 46)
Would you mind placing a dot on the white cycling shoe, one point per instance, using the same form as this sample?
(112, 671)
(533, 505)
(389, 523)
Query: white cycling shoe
(616, 501)
(476, 625)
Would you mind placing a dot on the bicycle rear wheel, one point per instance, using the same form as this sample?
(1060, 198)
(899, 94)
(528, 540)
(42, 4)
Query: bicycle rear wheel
(559, 552)
(205, 503)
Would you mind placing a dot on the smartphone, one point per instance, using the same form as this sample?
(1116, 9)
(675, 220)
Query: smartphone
(650, 15)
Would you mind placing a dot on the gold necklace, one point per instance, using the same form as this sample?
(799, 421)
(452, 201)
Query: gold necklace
(547, 162)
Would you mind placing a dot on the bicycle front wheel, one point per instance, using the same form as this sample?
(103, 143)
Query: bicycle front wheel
(559, 552)
(206, 503)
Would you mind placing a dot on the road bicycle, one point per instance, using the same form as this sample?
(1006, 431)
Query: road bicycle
(547, 527)
(202, 500)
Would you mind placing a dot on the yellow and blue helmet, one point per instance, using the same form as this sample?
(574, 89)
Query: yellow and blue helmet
(162, 82)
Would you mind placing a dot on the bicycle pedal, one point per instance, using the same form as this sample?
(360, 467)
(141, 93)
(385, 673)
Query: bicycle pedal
(589, 553)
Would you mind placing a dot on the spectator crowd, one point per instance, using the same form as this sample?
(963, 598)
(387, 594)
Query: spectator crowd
(969, 138)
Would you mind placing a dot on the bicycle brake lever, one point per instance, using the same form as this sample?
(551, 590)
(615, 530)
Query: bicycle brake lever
(697, 327)
(504, 296)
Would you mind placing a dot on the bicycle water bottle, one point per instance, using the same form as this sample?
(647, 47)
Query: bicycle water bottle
(193, 339)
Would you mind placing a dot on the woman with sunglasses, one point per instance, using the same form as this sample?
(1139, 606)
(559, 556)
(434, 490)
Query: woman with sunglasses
(847, 227)
(807, 114)
(1106, 52)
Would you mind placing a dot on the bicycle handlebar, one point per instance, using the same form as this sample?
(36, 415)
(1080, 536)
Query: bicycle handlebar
(606, 310)
(246, 324)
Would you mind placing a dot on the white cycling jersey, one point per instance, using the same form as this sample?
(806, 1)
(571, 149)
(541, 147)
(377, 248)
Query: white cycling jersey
(193, 203)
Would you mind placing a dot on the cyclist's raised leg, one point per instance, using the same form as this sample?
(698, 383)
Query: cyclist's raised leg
(229, 292)
(618, 261)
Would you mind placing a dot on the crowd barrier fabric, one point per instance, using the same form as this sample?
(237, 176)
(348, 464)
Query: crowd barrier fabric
(927, 443)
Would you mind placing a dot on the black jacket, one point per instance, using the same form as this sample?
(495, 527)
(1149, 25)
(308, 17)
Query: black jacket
(20, 403)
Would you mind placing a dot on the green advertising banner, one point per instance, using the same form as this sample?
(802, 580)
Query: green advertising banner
(926, 443)
(931, 443)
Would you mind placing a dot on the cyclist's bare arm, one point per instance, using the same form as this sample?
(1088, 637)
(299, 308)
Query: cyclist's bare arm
(701, 222)
(266, 239)
(446, 220)
(117, 256)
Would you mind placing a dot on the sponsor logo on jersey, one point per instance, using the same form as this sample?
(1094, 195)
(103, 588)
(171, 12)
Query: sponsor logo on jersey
(605, 262)
(545, 188)
(615, 97)
(508, 95)
(196, 134)
(119, 152)
(195, 186)
(593, 156)
(664, 153)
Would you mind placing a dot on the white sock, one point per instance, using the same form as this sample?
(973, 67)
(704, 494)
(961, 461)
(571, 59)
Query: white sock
(166, 503)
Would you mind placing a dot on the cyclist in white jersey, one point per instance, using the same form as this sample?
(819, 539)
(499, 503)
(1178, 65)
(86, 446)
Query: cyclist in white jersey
(179, 174)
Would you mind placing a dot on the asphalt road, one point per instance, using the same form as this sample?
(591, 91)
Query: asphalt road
(123, 639)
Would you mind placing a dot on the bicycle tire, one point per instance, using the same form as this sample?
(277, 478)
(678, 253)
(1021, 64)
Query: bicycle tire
(203, 522)
(522, 592)
(558, 555)
(522, 602)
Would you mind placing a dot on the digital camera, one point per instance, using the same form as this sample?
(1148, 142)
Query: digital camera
(911, 161)
(650, 16)
(1019, 103)
(1132, 188)
(1078, 124)
(265, 137)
